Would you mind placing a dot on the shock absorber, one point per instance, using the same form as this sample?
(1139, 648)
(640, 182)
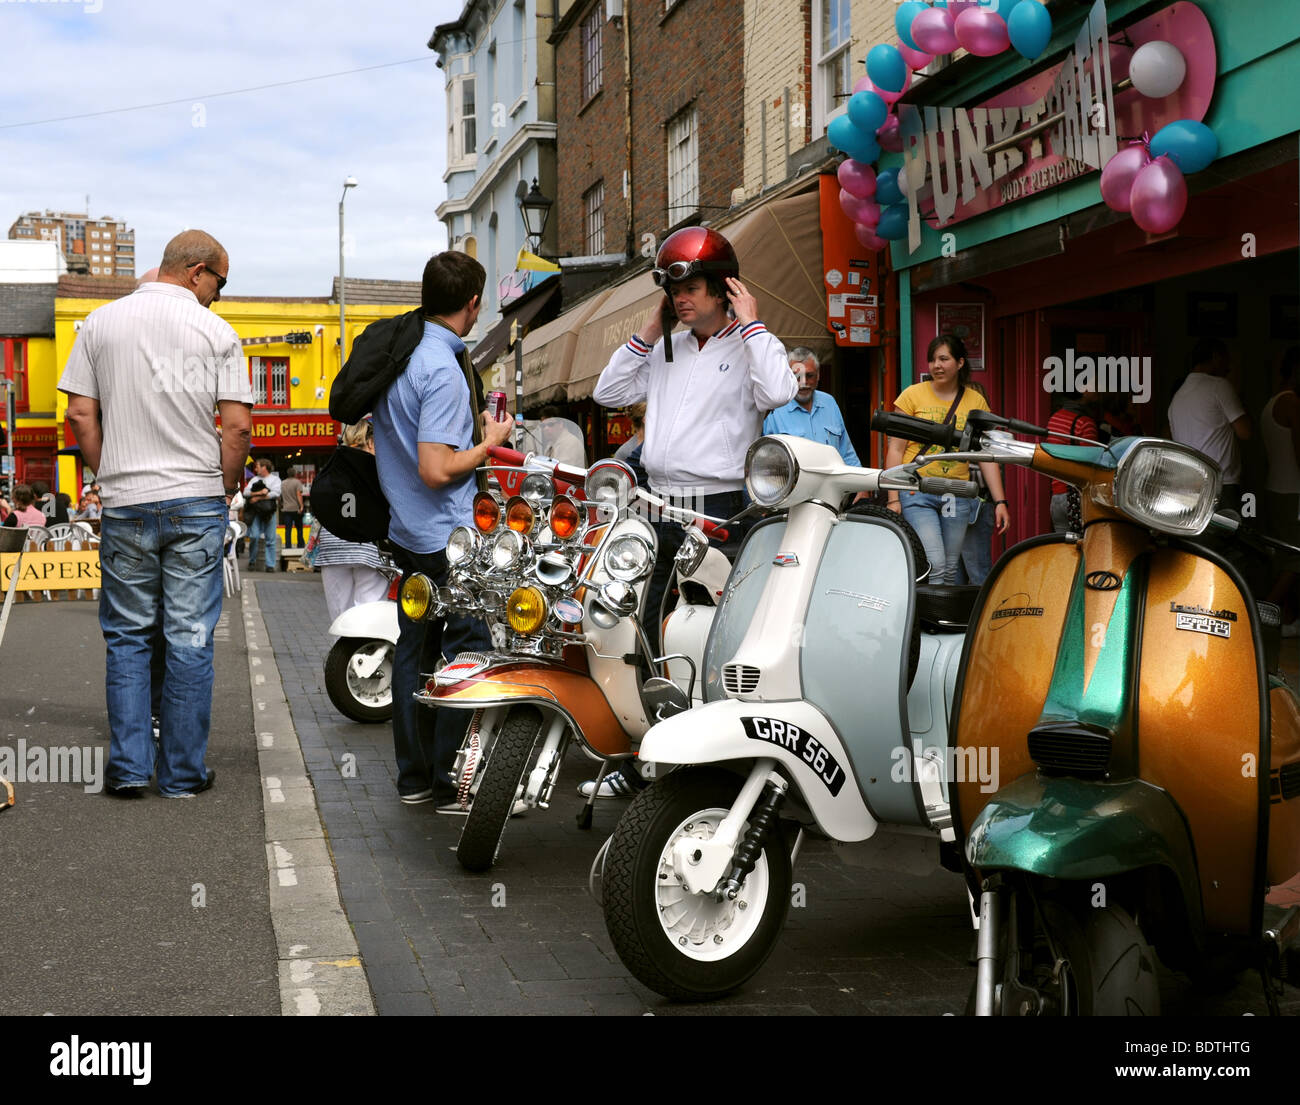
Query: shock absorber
(750, 848)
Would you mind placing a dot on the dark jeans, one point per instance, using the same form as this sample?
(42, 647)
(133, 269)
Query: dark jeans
(292, 520)
(425, 740)
(723, 504)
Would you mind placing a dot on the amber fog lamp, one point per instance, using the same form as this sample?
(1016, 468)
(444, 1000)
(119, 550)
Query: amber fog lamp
(417, 595)
(526, 610)
(487, 512)
(519, 515)
(565, 517)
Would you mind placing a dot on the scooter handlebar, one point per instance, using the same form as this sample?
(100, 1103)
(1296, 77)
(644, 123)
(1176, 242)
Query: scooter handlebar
(503, 455)
(939, 485)
(915, 429)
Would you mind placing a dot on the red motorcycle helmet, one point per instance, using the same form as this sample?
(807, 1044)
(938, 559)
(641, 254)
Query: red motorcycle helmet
(694, 251)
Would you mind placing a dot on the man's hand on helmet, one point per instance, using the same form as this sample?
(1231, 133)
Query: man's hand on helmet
(743, 304)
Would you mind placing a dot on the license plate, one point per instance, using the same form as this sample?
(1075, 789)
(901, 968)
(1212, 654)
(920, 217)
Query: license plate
(800, 742)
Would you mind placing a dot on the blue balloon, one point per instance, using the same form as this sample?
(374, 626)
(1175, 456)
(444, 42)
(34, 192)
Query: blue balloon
(893, 221)
(1192, 146)
(1030, 28)
(868, 112)
(887, 189)
(903, 21)
(843, 134)
(1003, 7)
(868, 152)
(886, 68)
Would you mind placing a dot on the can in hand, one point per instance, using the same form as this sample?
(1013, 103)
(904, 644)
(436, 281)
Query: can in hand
(496, 401)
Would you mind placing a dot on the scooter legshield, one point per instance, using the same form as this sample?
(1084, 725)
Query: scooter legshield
(795, 734)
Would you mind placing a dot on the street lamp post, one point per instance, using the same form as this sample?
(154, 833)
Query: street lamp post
(350, 182)
(535, 209)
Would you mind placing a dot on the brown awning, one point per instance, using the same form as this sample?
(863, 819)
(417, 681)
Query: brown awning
(548, 353)
(523, 310)
(779, 245)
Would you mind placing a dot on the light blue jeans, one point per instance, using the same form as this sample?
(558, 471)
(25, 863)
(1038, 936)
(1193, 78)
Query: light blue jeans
(940, 522)
(161, 566)
(262, 533)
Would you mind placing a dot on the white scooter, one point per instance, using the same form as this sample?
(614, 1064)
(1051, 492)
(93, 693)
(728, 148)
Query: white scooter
(827, 679)
(359, 668)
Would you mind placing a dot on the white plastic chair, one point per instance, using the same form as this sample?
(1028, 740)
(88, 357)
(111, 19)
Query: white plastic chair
(230, 563)
(37, 536)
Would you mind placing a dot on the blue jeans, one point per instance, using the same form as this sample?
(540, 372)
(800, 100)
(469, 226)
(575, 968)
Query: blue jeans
(261, 530)
(161, 569)
(940, 522)
(977, 549)
(425, 740)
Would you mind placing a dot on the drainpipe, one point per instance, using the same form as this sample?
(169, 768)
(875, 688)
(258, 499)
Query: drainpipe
(629, 245)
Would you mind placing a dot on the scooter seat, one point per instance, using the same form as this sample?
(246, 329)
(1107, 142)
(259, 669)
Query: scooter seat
(945, 608)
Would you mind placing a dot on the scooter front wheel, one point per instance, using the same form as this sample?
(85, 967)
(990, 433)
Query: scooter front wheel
(485, 825)
(688, 946)
(362, 698)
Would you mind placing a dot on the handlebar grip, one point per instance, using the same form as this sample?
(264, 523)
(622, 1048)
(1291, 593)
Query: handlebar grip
(915, 429)
(940, 485)
(712, 530)
(505, 456)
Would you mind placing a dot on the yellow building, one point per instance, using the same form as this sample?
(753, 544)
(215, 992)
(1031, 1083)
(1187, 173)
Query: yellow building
(292, 348)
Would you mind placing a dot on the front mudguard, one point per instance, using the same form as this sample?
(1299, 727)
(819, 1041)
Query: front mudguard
(730, 731)
(1074, 830)
(575, 695)
(368, 621)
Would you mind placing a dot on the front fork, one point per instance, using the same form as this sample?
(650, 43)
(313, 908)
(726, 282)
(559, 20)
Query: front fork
(478, 740)
(988, 966)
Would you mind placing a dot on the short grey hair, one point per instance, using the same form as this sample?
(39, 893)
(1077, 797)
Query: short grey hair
(190, 248)
(801, 355)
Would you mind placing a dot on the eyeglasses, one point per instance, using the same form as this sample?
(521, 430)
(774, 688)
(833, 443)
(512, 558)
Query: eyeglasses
(221, 280)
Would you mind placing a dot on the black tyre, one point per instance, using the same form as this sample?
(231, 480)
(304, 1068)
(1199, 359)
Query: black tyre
(480, 840)
(687, 946)
(368, 699)
(1111, 969)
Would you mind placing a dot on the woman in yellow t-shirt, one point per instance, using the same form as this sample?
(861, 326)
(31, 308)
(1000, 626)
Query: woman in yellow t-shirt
(940, 521)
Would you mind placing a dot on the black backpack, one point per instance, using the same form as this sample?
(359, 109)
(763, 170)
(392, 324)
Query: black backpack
(347, 498)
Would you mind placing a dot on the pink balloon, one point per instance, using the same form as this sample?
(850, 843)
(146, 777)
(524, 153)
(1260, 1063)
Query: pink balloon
(1120, 172)
(1159, 196)
(890, 98)
(863, 84)
(933, 31)
(857, 179)
(983, 33)
(890, 135)
(868, 237)
(858, 209)
(916, 59)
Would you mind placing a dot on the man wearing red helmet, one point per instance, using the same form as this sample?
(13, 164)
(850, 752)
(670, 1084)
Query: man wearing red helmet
(706, 392)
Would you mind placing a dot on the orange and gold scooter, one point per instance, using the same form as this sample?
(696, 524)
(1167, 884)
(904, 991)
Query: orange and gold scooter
(1125, 682)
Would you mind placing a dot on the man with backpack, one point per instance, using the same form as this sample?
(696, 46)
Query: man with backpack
(260, 500)
(427, 451)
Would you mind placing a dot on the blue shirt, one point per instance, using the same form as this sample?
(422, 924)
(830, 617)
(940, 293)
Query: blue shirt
(428, 402)
(823, 423)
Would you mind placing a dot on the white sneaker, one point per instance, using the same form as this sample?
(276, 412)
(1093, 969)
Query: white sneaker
(612, 786)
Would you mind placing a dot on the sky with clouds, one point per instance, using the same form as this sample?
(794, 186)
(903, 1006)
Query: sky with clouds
(261, 170)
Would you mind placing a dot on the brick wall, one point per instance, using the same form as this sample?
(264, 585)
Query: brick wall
(777, 88)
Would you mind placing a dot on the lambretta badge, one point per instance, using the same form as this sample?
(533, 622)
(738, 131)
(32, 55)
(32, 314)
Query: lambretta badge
(866, 602)
(1197, 619)
(802, 744)
(1013, 607)
(786, 560)
(1103, 581)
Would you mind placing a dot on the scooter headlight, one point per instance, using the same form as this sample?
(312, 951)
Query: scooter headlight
(565, 518)
(771, 472)
(610, 483)
(491, 603)
(629, 558)
(508, 550)
(461, 545)
(691, 554)
(416, 597)
(487, 512)
(537, 488)
(520, 515)
(1167, 486)
(526, 610)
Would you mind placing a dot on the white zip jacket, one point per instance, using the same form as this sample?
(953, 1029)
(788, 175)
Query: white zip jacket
(704, 408)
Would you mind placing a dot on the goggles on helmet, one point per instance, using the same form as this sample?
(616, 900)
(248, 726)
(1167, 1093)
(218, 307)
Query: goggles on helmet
(676, 270)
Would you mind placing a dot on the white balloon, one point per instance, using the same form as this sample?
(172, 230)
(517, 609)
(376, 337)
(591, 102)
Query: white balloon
(1157, 69)
(902, 180)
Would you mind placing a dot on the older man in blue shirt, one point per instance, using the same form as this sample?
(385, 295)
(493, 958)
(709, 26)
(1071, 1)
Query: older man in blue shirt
(811, 413)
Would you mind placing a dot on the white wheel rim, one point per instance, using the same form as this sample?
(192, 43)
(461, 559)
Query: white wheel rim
(697, 925)
(376, 690)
